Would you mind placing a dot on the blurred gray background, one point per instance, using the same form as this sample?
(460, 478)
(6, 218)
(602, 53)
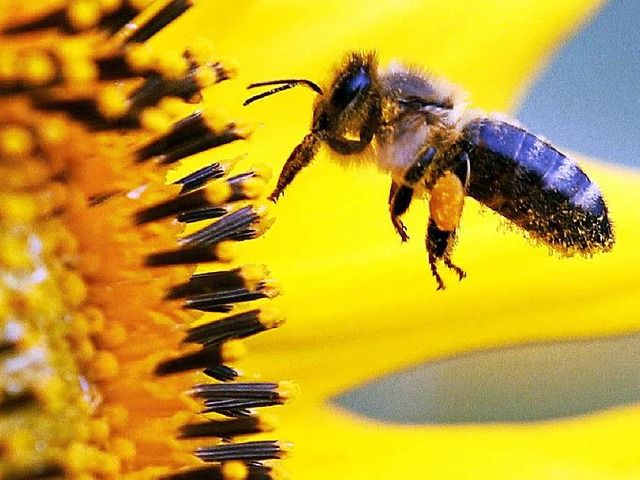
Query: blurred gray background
(588, 100)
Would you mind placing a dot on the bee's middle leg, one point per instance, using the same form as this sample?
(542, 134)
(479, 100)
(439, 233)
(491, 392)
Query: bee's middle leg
(400, 197)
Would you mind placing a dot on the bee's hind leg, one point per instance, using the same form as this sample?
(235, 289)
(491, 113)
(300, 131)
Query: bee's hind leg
(439, 246)
(462, 171)
(400, 197)
(438, 242)
(445, 206)
(461, 273)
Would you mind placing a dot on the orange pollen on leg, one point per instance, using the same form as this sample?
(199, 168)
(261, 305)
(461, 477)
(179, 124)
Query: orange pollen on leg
(445, 204)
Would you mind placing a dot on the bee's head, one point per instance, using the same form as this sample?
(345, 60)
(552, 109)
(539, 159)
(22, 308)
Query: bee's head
(352, 101)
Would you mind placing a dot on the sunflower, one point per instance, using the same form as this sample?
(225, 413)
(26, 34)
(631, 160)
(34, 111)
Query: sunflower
(103, 332)
(102, 308)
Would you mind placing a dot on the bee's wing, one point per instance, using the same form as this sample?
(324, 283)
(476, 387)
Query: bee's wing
(531, 183)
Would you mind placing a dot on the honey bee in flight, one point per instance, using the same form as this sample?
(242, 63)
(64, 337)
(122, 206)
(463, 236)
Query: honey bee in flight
(416, 128)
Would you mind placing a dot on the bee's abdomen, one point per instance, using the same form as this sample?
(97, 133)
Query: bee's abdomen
(531, 183)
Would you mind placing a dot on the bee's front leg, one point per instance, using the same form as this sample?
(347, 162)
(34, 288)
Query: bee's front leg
(299, 158)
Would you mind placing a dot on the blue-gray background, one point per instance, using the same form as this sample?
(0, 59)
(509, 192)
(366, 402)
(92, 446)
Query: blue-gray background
(588, 101)
(589, 97)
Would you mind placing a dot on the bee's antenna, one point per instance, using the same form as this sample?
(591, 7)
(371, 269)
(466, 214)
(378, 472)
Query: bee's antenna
(283, 85)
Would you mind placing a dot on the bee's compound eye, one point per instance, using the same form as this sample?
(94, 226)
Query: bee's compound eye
(350, 86)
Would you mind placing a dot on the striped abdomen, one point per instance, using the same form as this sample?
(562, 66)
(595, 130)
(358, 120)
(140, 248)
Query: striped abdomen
(529, 182)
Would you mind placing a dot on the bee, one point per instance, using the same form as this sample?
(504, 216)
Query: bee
(417, 129)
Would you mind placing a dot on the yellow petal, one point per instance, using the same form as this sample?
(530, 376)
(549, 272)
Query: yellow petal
(353, 320)
(361, 305)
